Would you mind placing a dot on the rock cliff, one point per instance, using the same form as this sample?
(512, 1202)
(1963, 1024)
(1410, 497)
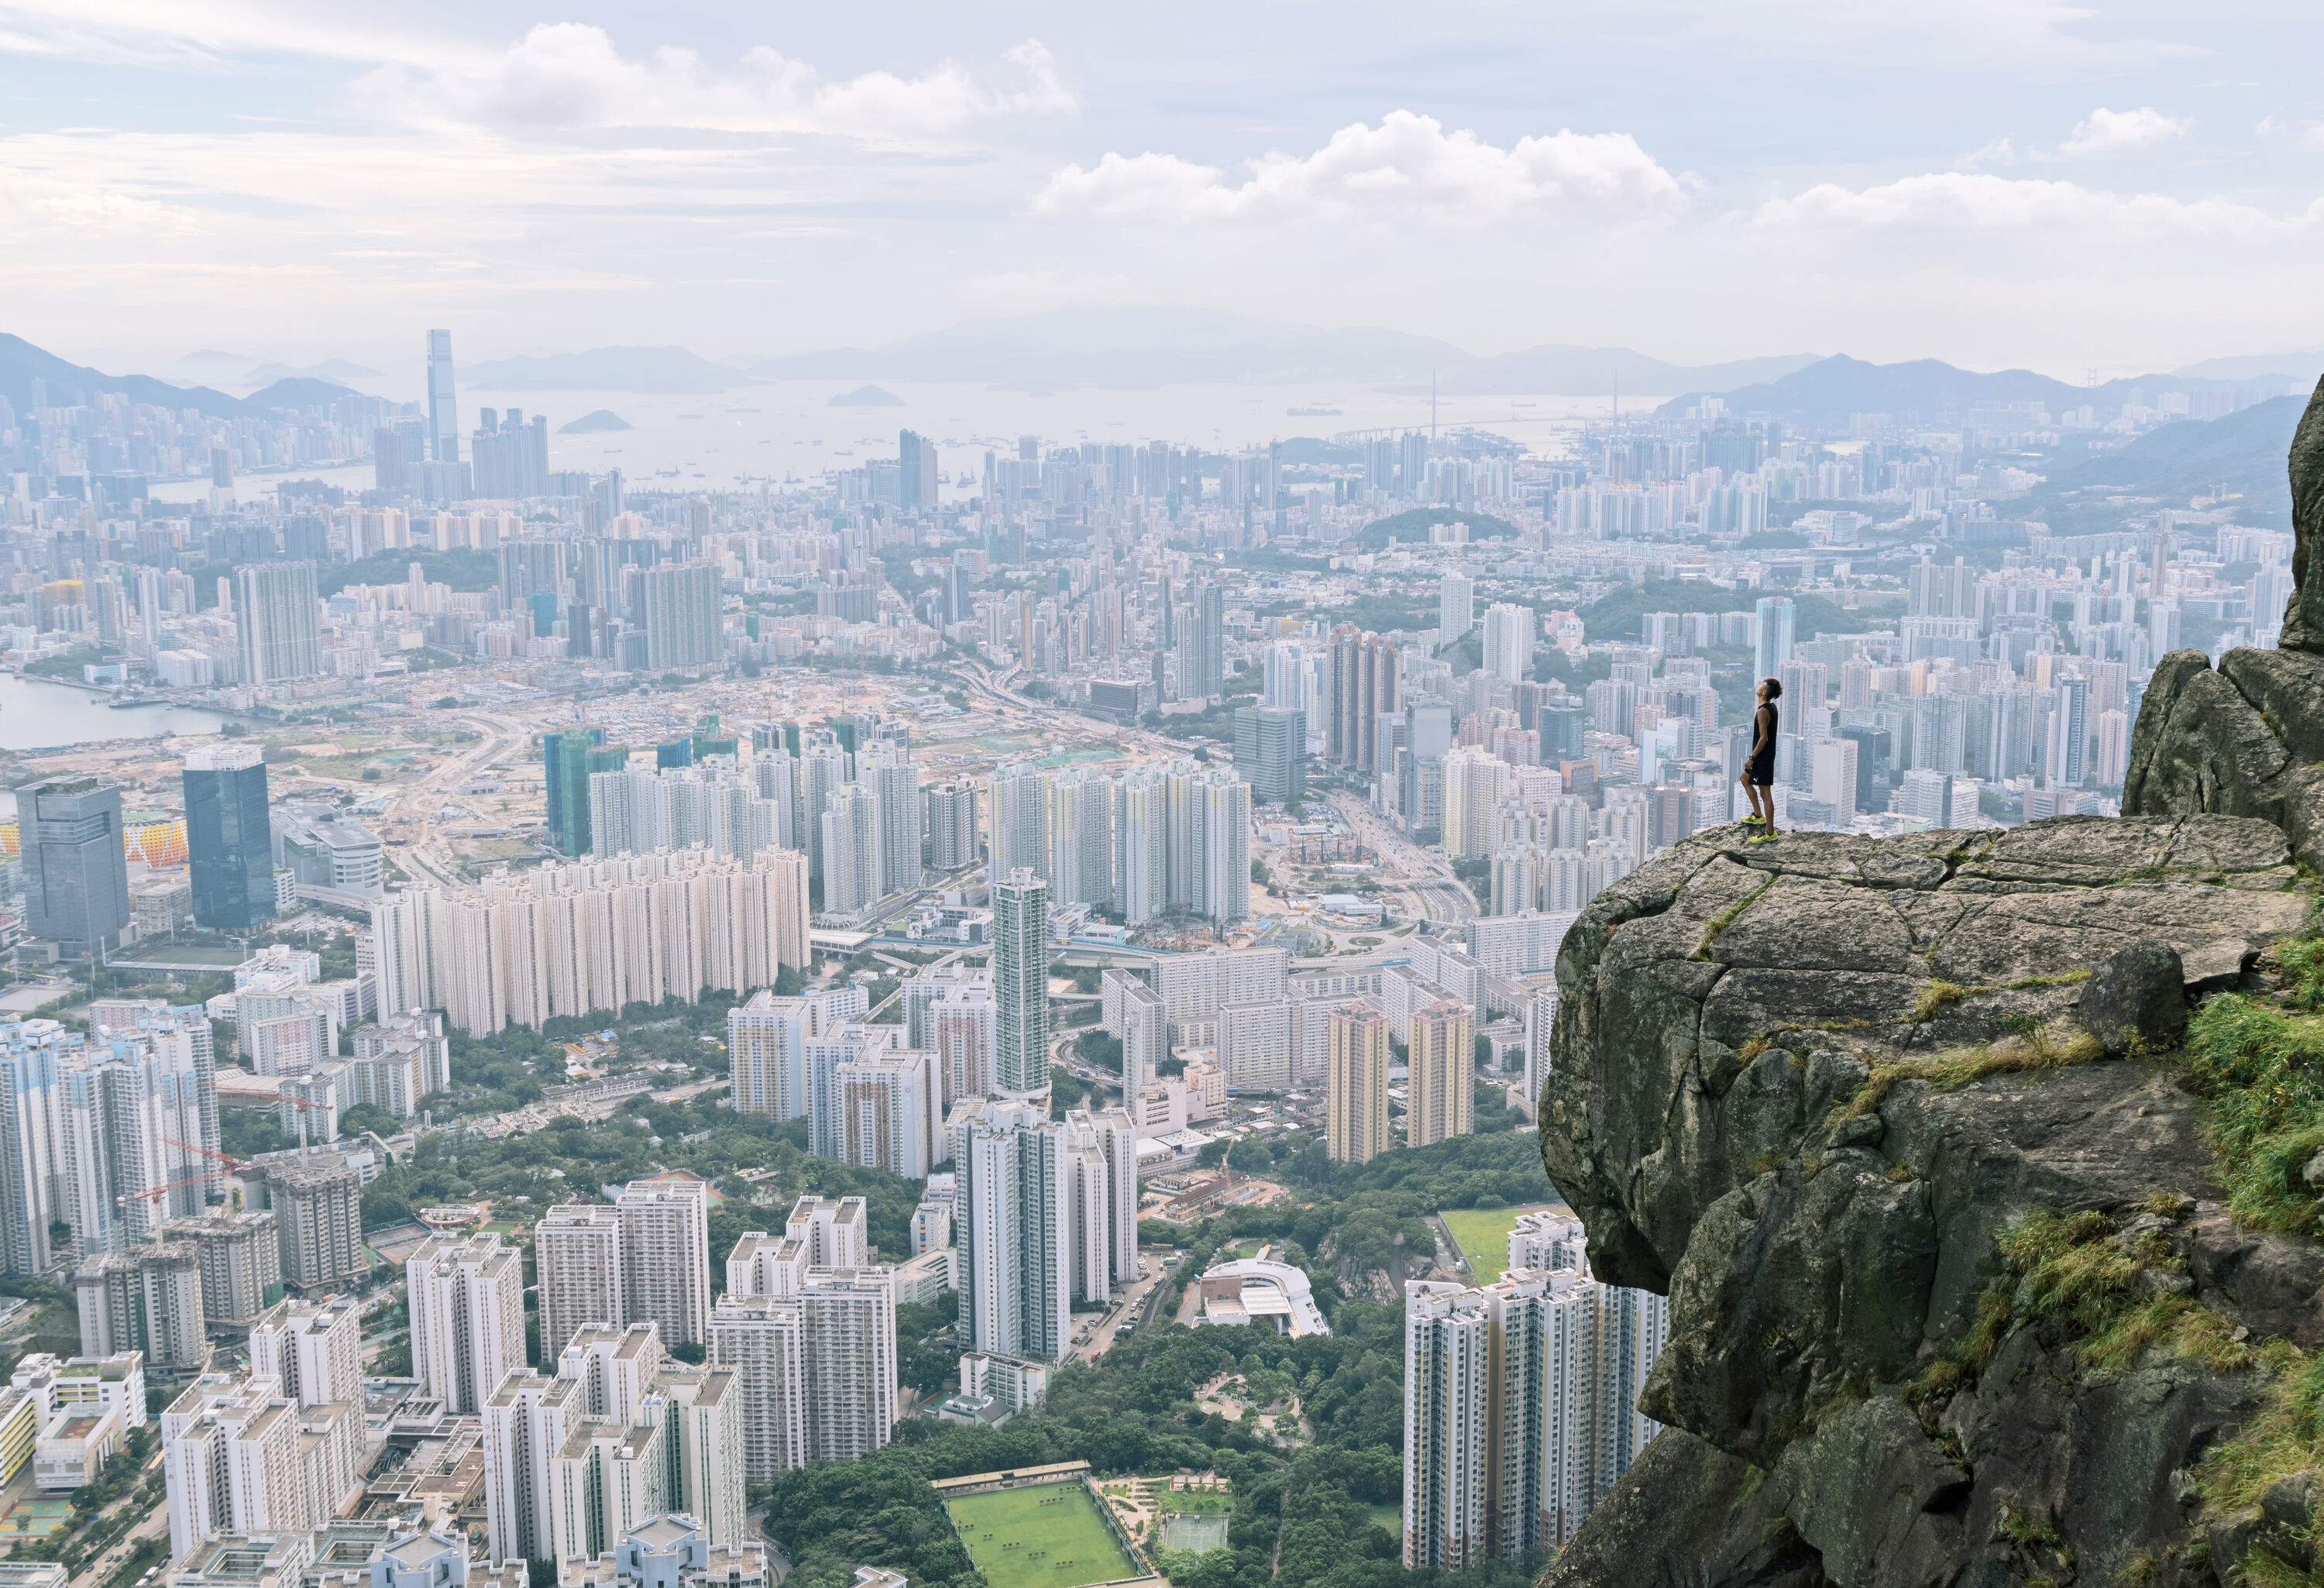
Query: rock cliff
(1984, 1266)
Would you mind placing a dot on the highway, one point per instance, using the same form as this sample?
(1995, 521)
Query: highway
(1422, 875)
(413, 812)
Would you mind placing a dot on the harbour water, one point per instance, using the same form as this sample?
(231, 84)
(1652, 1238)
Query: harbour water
(38, 714)
(782, 430)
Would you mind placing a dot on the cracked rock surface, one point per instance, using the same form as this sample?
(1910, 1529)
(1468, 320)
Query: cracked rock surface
(1721, 1013)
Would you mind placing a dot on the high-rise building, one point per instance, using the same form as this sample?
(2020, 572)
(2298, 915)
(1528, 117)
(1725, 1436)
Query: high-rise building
(465, 1298)
(229, 842)
(316, 1196)
(570, 759)
(1367, 682)
(1505, 1415)
(443, 408)
(1456, 607)
(851, 862)
(637, 928)
(75, 872)
(527, 1423)
(1355, 1091)
(951, 842)
(1021, 984)
(665, 1221)
(1777, 620)
(277, 624)
(679, 606)
(1207, 646)
(1441, 1081)
(148, 1298)
(1013, 1260)
(894, 782)
(916, 477)
(1271, 752)
(885, 1113)
(311, 1351)
(576, 1249)
(1509, 642)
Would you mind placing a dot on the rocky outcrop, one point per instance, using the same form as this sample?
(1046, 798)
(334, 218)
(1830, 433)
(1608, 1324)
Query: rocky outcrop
(1806, 1088)
(2247, 738)
(1956, 1298)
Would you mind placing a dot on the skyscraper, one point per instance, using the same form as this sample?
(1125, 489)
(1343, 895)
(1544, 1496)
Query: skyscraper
(1777, 617)
(1271, 752)
(577, 1249)
(443, 410)
(229, 841)
(1021, 984)
(1510, 1414)
(1208, 645)
(1442, 1076)
(1013, 1258)
(75, 873)
(276, 626)
(916, 477)
(466, 1303)
(1355, 1089)
(679, 602)
(1367, 682)
(1456, 607)
(569, 759)
(666, 1255)
(1508, 641)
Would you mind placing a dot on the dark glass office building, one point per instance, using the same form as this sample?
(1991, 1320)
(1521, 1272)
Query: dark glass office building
(76, 874)
(228, 839)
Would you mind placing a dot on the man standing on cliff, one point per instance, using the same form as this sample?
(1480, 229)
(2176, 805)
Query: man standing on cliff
(1758, 775)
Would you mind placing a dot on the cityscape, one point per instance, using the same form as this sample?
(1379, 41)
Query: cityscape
(1104, 936)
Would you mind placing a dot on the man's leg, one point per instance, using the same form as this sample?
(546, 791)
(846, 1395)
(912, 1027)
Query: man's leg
(1768, 795)
(1751, 795)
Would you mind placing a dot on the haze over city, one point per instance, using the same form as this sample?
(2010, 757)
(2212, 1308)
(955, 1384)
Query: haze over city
(1238, 796)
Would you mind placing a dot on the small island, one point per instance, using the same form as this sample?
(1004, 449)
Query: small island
(589, 424)
(867, 397)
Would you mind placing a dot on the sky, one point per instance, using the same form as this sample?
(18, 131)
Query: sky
(2074, 188)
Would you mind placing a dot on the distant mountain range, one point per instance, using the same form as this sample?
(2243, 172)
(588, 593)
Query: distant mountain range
(1123, 347)
(337, 371)
(2293, 367)
(1828, 390)
(22, 364)
(2239, 456)
(671, 369)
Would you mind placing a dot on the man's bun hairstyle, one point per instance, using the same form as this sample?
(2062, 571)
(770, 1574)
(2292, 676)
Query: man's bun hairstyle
(1775, 688)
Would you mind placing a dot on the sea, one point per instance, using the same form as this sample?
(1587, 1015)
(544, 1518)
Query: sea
(781, 432)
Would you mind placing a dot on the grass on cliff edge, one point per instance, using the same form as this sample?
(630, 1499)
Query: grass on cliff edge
(2258, 1065)
(2121, 1292)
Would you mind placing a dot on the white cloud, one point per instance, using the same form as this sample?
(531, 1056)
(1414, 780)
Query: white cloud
(1408, 164)
(564, 76)
(2000, 152)
(196, 33)
(2120, 132)
(1946, 203)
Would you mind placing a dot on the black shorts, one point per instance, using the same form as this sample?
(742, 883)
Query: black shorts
(1760, 774)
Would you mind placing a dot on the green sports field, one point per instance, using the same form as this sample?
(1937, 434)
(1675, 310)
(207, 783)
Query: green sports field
(1046, 1536)
(1482, 1233)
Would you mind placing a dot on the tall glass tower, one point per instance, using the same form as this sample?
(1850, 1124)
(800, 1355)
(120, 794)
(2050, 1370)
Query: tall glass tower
(228, 839)
(443, 412)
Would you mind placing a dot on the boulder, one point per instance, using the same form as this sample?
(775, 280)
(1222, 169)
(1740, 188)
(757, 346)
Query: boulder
(2136, 1000)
